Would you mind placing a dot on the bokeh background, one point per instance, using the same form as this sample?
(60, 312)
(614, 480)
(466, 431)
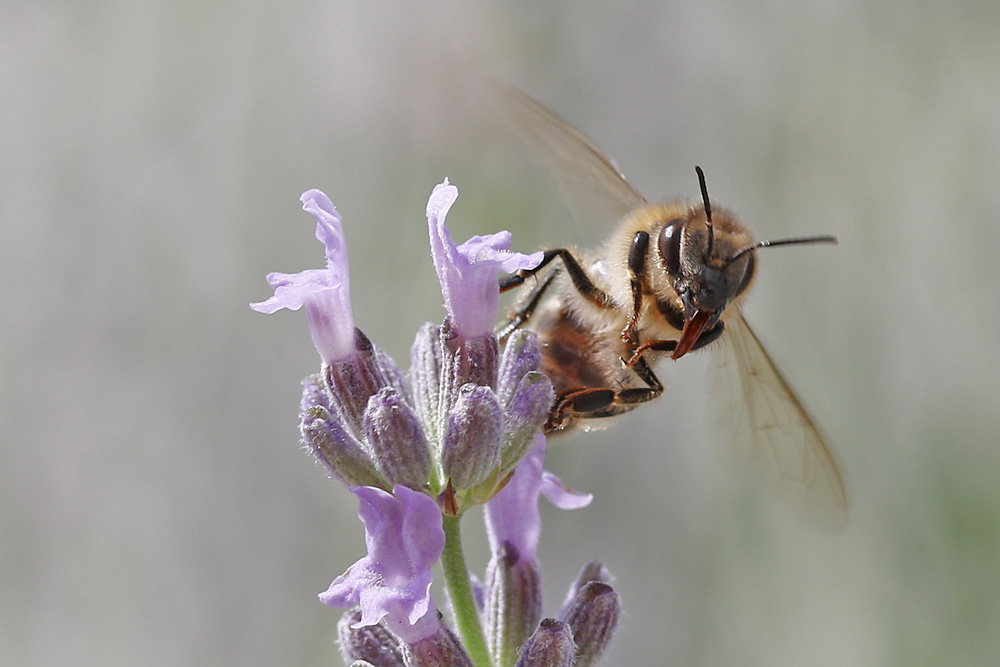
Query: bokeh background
(155, 507)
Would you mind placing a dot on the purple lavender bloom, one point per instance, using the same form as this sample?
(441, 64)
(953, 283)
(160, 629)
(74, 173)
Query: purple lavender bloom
(392, 584)
(513, 523)
(324, 292)
(512, 516)
(468, 273)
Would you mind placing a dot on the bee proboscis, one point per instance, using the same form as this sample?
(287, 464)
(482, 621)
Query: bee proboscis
(670, 279)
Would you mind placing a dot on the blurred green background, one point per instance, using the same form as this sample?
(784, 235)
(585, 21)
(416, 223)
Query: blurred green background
(156, 508)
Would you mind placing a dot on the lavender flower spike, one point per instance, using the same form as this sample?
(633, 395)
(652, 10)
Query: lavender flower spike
(324, 292)
(392, 583)
(468, 273)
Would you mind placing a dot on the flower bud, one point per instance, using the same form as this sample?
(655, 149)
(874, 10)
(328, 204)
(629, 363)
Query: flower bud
(345, 457)
(521, 354)
(471, 450)
(314, 393)
(526, 412)
(592, 571)
(439, 650)
(371, 643)
(593, 616)
(464, 361)
(425, 376)
(397, 440)
(551, 645)
(352, 380)
(513, 603)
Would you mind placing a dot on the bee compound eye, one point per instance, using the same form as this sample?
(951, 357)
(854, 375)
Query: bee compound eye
(747, 274)
(670, 244)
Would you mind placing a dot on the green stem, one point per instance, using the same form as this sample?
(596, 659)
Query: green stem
(463, 600)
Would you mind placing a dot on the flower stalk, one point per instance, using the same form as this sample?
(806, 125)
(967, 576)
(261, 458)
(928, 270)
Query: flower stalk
(461, 595)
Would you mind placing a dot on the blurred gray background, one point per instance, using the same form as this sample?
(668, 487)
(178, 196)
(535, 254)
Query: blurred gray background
(156, 508)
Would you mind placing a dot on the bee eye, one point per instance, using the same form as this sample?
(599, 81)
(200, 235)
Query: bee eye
(670, 244)
(747, 275)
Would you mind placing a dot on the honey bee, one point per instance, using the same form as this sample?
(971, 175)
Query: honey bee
(668, 281)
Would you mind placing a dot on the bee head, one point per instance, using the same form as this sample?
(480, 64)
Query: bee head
(711, 262)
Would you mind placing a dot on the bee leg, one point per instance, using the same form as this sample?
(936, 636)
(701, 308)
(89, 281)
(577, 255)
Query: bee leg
(660, 345)
(581, 281)
(594, 403)
(524, 313)
(636, 271)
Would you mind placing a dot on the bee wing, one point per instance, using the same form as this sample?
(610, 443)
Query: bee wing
(591, 182)
(770, 427)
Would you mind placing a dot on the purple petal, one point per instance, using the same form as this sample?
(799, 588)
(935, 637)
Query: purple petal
(561, 495)
(292, 290)
(324, 292)
(468, 273)
(513, 516)
(393, 582)
(329, 232)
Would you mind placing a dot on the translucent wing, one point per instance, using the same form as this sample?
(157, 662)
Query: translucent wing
(592, 184)
(771, 428)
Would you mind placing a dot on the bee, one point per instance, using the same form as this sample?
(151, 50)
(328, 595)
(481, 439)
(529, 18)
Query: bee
(668, 281)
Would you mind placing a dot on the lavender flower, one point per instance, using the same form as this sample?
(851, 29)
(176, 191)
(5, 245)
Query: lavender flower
(468, 273)
(477, 432)
(324, 292)
(513, 524)
(393, 582)
(513, 517)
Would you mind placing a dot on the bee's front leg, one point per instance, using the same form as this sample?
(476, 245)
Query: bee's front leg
(524, 313)
(636, 273)
(581, 281)
(667, 345)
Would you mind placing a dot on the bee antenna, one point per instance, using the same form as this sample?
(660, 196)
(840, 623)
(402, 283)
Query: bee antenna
(708, 209)
(794, 241)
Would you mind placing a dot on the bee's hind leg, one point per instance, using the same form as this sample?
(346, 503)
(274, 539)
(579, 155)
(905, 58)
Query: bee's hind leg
(595, 403)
